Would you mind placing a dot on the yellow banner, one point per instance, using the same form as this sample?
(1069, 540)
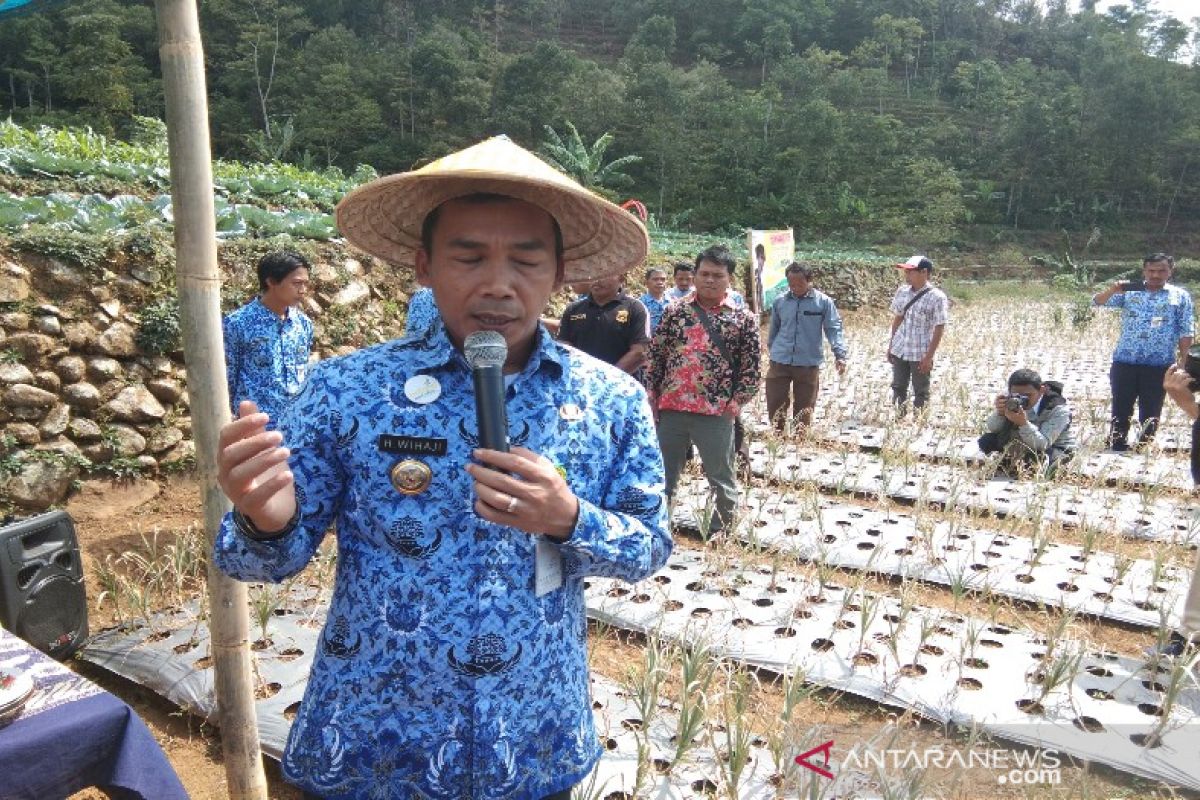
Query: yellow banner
(770, 253)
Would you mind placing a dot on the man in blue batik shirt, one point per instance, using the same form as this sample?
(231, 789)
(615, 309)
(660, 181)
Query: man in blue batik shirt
(453, 662)
(655, 299)
(268, 340)
(1157, 327)
(685, 279)
(422, 312)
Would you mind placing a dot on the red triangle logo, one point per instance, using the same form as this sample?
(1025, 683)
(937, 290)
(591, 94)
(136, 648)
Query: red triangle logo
(825, 749)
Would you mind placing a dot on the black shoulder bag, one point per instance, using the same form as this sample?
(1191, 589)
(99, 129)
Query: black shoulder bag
(716, 337)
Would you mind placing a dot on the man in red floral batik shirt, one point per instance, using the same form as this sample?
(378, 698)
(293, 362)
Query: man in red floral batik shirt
(704, 366)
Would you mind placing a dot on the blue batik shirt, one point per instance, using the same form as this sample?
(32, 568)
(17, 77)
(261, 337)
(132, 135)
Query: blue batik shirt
(266, 356)
(439, 672)
(1152, 323)
(422, 312)
(655, 307)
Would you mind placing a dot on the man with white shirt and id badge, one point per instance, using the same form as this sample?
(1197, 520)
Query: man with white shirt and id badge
(476, 475)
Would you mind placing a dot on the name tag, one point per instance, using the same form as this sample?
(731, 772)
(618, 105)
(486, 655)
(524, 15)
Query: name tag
(411, 445)
(576, 317)
(548, 568)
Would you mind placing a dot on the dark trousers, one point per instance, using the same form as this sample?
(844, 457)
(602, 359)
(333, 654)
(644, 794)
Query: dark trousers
(902, 373)
(1017, 453)
(800, 385)
(1135, 383)
(1196, 453)
(714, 438)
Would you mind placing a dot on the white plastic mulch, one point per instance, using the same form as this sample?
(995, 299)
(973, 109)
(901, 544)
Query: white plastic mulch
(1030, 568)
(1147, 468)
(1128, 513)
(944, 666)
(171, 657)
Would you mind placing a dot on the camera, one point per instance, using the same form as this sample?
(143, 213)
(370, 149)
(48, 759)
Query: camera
(1133, 286)
(1191, 366)
(1018, 401)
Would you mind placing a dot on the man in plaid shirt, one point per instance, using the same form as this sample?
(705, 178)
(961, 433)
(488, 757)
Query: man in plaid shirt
(921, 311)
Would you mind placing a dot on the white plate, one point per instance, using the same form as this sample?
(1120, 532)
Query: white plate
(15, 688)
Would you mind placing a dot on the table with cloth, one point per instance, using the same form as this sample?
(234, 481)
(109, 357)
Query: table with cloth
(71, 734)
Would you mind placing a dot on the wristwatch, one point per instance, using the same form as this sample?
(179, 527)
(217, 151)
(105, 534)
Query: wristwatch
(250, 531)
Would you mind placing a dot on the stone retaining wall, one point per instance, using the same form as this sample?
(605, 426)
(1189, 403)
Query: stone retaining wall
(77, 393)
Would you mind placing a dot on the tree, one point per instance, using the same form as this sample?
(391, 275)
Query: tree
(654, 43)
(250, 47)
(810, 113)
(900, 38)
(586, 164)
(30, 55)
(329, 93)
(451, 88)
(529, 91)
(97, 67)
(1169, 38)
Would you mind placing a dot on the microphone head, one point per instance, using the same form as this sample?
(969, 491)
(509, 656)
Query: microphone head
(485, 349)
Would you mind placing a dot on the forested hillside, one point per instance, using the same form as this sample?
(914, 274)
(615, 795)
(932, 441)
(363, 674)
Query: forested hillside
(932, 121)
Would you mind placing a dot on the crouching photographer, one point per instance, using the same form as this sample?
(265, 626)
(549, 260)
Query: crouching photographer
(1030, 426)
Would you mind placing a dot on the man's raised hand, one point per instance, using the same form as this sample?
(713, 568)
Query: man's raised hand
(252, 470)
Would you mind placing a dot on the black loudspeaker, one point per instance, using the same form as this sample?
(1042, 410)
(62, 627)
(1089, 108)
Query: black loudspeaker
(42, 599)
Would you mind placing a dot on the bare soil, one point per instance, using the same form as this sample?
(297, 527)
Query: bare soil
(111, 518)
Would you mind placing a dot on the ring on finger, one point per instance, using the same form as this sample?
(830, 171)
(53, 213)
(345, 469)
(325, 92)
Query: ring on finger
(511, 508)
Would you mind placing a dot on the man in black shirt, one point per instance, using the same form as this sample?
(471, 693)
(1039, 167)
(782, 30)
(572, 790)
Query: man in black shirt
(609, 325)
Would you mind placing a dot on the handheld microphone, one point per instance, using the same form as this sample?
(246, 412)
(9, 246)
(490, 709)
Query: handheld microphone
(486, 352)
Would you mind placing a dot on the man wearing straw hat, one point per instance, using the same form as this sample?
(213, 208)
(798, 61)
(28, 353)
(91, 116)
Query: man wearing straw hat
(454, 660)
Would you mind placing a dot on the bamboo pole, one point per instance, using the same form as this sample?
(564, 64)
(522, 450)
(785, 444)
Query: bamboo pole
(199, 283)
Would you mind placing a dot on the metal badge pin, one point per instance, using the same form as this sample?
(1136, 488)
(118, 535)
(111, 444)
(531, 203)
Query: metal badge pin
(422, 389)
(411, 477)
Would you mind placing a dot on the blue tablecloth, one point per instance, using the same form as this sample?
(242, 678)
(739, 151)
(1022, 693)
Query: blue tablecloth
(72, 734)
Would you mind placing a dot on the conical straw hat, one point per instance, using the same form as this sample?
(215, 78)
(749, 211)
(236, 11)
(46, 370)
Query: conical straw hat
(384, 217)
